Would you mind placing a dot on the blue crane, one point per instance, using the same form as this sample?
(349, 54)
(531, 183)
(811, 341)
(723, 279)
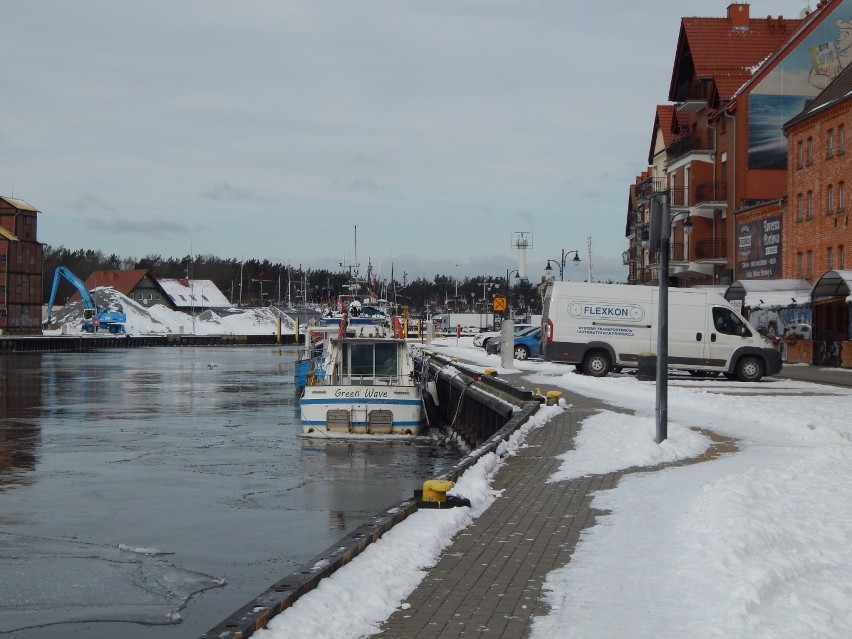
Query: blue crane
(94, 317)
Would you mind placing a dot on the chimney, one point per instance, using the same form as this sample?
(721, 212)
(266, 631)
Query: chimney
(738, 15)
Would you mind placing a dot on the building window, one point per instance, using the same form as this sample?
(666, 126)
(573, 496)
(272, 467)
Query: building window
(800, 208)
(841, 196)
(810, 152)
(829, 199)
(799, 154)
(2, 288)
(810, 211)
(829, 144)
(841, 258)
(809, 265)
(799, 271)
(841, 139)
(829, 258)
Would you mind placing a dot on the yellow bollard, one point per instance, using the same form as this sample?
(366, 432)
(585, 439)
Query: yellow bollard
(552, 398)
(435, 490)
(490, 372)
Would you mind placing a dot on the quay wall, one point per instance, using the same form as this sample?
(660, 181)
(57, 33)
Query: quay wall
(80, 343)
(480, 409)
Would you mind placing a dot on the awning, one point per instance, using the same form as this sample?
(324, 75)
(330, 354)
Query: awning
(831, 285)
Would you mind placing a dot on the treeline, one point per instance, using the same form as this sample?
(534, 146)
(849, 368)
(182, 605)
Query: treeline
(260, 282)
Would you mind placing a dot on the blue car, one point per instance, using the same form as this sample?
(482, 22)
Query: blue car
(527, 344)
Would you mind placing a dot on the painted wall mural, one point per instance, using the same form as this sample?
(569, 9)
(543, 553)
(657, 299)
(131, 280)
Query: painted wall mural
(797, 79)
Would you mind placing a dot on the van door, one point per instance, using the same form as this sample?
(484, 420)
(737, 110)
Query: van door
(726, 335)
(688, 337)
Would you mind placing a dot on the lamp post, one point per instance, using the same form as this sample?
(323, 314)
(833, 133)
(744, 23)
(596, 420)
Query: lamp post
(486, 286)
(509, 289)
(660, 238)
(561, 263)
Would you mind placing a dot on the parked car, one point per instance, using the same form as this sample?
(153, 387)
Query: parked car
(483, 338)
(527, 344)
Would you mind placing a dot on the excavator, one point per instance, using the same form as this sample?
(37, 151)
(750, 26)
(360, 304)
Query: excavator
(94, 317)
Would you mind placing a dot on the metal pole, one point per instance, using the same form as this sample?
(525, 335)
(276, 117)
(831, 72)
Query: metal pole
(663, 325)
(562, 267)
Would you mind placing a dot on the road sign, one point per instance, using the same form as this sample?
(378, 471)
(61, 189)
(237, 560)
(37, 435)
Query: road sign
(499, 304)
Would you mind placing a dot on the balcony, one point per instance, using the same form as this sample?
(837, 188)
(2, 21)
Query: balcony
(715, 193)
(714, 250)
(691, 96)
(698, 142)
(649, 187)
(677, 252)
(678, 197)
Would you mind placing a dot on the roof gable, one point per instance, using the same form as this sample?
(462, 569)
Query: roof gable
(839, 91)
(122, 281)
(725, 51)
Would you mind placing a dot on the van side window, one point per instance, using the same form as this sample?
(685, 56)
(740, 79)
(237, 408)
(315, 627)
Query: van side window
(724, 321)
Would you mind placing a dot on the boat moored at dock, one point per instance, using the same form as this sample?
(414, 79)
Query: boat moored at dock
(368, 386)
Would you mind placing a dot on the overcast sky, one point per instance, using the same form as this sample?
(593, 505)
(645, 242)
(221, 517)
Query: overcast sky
(270, 129)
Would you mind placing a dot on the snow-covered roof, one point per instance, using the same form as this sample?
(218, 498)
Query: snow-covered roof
(186, 293)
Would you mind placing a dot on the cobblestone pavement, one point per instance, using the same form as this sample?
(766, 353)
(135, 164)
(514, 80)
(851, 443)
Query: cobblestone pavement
(488, 583)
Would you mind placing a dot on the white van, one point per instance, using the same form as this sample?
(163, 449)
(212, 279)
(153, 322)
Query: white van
(604, 326)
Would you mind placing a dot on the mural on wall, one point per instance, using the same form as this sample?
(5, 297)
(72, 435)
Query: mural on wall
(797, 79)
(759, 249)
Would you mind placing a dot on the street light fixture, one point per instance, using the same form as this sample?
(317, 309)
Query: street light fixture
(561, 263)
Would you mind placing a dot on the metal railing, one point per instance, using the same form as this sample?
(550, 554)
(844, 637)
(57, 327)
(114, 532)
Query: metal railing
(689, 143)
(711, 192)
(713, 249)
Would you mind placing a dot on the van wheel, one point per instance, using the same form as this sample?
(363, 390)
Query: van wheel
(521, 352)
(749, 369)
(597, 364)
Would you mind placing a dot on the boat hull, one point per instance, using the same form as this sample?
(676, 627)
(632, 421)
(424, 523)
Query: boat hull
(385, 410)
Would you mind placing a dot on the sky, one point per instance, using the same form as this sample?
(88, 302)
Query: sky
(757, 543)
(271, 130)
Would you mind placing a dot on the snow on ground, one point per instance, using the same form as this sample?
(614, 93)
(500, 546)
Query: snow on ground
(161, 320)
(757, 543)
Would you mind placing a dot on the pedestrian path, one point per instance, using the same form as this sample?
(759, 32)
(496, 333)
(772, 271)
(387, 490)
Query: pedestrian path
(489, 581)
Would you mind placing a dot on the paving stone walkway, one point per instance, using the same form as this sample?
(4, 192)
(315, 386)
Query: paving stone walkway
(489, 581)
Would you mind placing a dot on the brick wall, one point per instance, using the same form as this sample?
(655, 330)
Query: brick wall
(814, 237)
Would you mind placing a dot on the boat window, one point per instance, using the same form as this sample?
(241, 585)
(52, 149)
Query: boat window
(361, 360)
(386, 364)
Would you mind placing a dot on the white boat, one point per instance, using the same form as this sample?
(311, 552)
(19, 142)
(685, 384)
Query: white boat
(369, 386)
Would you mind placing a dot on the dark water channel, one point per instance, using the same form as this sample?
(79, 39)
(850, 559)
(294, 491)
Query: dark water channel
(150, 493)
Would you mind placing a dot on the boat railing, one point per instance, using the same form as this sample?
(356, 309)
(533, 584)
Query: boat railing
(370, 380)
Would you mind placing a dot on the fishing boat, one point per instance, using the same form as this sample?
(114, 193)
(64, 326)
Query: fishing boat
(368, 385)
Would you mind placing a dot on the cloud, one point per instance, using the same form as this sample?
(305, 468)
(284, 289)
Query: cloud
(154, 227)
(90, 203)
(224, 192)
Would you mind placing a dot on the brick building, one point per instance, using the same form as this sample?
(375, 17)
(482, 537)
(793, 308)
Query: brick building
(818, 234)
(735, 81)
(20, 268)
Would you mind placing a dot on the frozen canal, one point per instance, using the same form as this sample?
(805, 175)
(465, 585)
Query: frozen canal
(150, 493)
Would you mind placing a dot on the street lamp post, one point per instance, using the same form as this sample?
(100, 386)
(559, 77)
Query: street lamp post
(486, 286)
(561, 263)
(660, 238)
(509, 289)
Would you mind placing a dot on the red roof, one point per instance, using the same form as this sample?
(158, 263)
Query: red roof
(719, 49)
(121, 281)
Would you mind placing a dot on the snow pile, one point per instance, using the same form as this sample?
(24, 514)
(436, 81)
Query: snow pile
(161, 320)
